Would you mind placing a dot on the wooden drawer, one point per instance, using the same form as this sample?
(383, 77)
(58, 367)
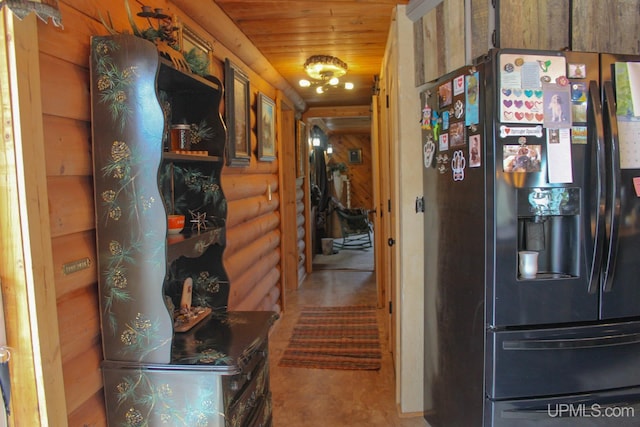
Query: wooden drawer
(233, 386)
(262, 415)
(244, 407)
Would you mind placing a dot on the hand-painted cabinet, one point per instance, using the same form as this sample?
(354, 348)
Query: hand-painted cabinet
(215, 373)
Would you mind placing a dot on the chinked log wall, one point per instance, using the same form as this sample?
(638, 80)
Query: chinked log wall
(301, 230)
(252, 258)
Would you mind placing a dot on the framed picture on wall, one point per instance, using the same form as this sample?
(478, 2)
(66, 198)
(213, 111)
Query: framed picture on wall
(266, 128)
(237, 105)
(197, 51)
(355, 155)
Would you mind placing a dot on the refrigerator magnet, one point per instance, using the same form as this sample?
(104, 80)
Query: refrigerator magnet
(579, 135)
(445, 95)
(428, 150)
(445, 120)
(474, 151)
(579, 102)
(471, 100)
(521, 158)
(442, 162)
(443, 142)
(458, 109)
(506, 131)
(426, 117)
(578, 92)
(458, 163)
(557, 106)
(456, 135)
(435, 124)
(577, 71)
(458, 86)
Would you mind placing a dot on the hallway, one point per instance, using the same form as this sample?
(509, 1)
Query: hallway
(323, 397)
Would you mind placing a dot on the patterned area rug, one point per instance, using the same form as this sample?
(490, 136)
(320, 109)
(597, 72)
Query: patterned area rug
(335, 338)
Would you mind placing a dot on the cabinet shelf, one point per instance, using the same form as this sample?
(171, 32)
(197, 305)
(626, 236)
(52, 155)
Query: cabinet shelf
(193, 245)
(174, 157)
(170, 77)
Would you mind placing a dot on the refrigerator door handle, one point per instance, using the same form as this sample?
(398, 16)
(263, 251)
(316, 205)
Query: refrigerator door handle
(613, 210)
(571, 343)
(594, 115)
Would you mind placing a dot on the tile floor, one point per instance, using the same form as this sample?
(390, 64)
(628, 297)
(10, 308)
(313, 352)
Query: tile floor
(321, 397)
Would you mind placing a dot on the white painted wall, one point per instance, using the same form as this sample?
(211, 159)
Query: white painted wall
(405, 108)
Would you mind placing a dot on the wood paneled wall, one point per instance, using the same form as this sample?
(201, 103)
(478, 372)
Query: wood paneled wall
(534, 24)
(360, 174)
(252, 258)
(438, 38)
(582, 25)
(606, 26)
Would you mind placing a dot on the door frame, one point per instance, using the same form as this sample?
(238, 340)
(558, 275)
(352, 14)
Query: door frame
(26, 264)
(378, 224)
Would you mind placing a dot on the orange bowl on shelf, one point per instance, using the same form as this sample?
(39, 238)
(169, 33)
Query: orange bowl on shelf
(175, 223)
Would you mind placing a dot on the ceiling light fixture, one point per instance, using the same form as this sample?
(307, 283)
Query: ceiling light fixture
(325, 70)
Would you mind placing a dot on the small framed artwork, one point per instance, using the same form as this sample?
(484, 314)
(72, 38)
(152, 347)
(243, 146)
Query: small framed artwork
(237, 104)
(301, 149)
(197, 51)
(355, 155)
(266, 128)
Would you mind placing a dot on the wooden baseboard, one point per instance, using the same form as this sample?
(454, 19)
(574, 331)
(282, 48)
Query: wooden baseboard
(408, 414)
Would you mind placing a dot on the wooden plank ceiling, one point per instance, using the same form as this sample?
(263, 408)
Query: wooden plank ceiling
(287, 32)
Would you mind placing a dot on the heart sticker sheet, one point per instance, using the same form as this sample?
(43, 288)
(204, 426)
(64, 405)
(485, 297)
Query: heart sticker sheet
(523, 79)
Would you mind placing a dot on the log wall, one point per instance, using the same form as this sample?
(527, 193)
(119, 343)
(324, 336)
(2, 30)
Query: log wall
(301, 229)
(252, 258)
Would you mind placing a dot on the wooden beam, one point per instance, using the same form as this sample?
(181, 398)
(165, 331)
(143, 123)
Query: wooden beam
(346, 111)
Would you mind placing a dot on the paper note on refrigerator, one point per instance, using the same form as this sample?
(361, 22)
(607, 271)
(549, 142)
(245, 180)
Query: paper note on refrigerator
(627, 79)
(559, 156)
(634, 86)
(628, 137)
(627, 85)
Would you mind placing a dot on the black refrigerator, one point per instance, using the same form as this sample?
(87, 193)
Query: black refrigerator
(532, 152)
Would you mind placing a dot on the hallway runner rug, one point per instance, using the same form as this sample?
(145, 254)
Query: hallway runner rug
(335, 338)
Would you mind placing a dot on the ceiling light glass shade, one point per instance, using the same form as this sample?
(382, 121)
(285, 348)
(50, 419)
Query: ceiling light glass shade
(315, 141)
(324, 72)
(329, 149)
(323, 67)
